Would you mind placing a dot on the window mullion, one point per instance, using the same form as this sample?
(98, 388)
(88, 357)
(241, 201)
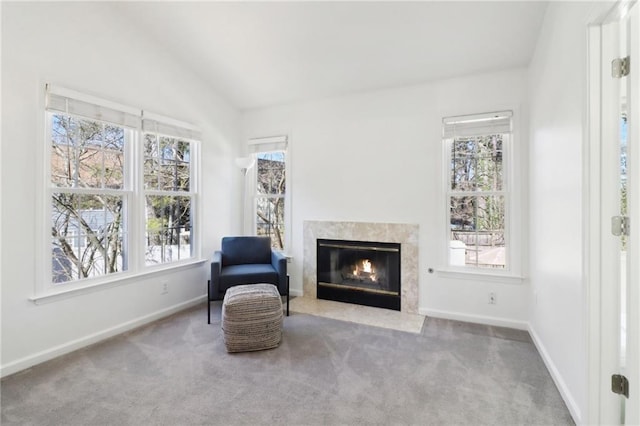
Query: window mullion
(476, 193)
(135, 230)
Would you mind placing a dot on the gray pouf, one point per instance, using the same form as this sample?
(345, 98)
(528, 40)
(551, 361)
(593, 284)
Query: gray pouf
(252, 317)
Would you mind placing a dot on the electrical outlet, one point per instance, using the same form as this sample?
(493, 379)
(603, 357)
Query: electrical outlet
(165, 288)
(492, 298)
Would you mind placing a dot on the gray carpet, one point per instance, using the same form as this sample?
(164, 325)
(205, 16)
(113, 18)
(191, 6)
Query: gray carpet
(176, 372)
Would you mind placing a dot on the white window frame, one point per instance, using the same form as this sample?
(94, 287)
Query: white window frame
(60, 101)
(269, 144)
(511, 184)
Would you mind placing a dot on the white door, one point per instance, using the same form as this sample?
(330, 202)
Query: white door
(619, 218)
(632, 365)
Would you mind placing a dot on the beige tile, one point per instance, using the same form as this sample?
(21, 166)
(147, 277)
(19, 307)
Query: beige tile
(376, 317)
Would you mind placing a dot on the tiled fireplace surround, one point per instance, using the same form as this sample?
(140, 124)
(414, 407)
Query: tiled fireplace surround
(405, 234)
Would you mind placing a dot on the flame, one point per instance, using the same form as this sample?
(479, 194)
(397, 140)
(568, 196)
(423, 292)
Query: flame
(365, 267)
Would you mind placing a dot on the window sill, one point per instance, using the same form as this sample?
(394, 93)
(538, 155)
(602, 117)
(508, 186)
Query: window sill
(503, 278)
(40, 299)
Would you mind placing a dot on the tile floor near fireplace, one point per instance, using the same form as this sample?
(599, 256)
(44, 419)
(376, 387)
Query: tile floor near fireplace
(376, 317)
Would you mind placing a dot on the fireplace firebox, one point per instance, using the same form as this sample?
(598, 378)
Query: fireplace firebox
(361, 272)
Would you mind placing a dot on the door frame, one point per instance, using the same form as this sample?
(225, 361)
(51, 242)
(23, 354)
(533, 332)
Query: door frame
(601, 304)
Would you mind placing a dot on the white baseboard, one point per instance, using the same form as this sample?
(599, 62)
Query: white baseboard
(477, 319)
(574, 410)
(46, 355)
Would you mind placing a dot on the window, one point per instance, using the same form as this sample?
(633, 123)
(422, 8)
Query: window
(477, 192)
(169, 196)
(270, 188)
(89, 198)
(96, 198)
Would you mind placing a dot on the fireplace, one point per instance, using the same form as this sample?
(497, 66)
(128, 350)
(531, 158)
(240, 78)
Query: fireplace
(361, 272)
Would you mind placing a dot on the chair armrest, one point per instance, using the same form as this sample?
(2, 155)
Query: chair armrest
(216, 268)
(279, 262)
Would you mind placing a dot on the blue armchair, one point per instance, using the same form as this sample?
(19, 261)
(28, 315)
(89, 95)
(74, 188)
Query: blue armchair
(246, 260)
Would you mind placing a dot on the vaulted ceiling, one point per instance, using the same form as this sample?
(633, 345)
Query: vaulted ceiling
(258, 54)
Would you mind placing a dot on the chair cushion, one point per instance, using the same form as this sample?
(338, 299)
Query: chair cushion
(247, 274)
(241, 250)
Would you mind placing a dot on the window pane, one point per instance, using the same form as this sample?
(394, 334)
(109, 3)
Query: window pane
(64, 268)
(168, 229)
(150, 145)
(151, 174)
(174, 176)
(183, 151)
(86, 154)
(167, 164)
(478, 223)
(270, 220)
(113, 170)
(89, 169)
(167, 148)
(113, 138)
(271, 177)
(63, 165)
(463, 174)
(476, 163)
(88, 238)
(489, 158)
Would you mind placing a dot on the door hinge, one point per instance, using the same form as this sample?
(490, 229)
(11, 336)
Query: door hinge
(620, 67)
(620, 385)
(620, 225)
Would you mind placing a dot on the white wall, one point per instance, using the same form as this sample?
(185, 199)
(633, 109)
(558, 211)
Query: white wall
(558, 88)
(376, 157)
(86, 47)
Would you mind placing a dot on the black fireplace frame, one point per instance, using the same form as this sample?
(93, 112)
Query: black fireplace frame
(359, 296)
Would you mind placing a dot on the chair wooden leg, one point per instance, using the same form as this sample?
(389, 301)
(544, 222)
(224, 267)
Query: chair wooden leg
(287, 295)
(209, 302)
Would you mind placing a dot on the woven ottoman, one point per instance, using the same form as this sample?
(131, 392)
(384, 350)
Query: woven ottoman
(252, 317)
